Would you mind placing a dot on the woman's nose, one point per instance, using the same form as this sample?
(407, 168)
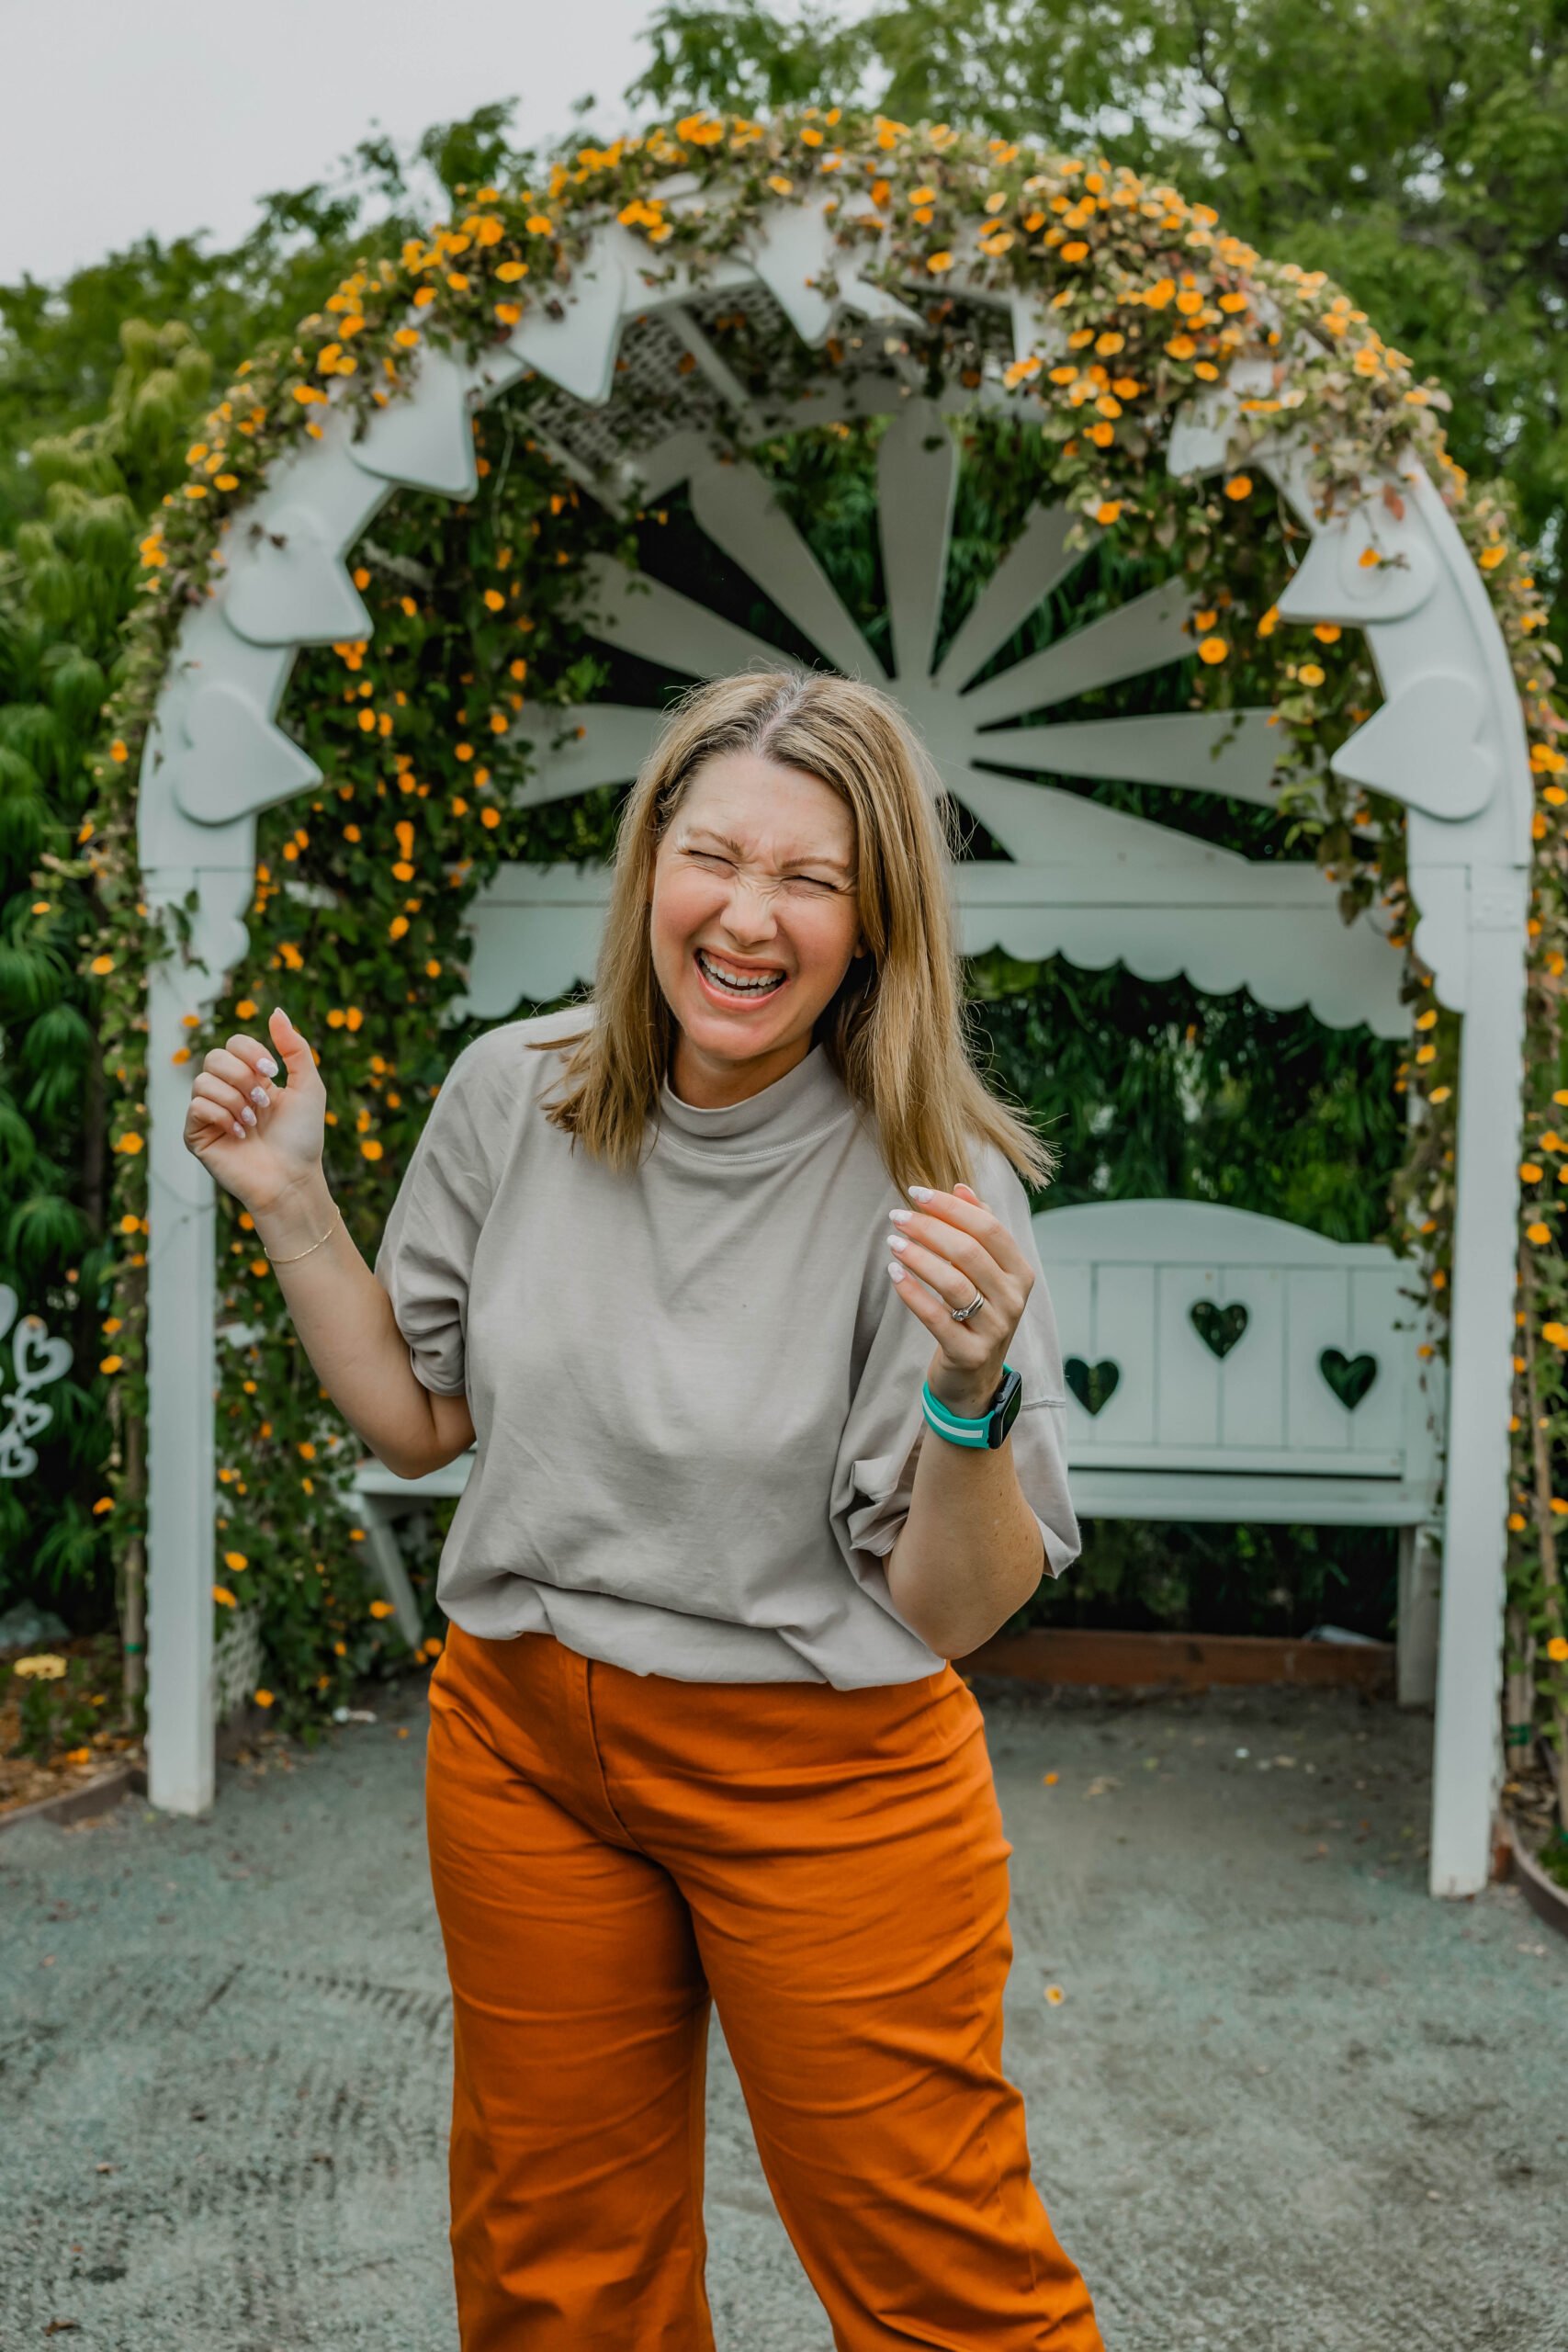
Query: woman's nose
(749, 912)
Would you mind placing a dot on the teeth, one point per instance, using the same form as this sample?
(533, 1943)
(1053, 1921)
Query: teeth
(722, 978)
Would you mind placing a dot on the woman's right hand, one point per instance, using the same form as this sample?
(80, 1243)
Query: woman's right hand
(260, 1141)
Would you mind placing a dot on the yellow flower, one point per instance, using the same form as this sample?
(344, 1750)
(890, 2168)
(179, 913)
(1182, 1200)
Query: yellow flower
(1270, 622)
(1490, 557)
(1310, 674)
(1529, 1172)
(1077, 251)
(1181, 346)
(221, 1594)
(235, 1560)
(540, 224)
(1327, 633)
(45, 1667)
(508, 313)
(510, 272)
(1538, 1233)
(1212, 649)
(938, 263)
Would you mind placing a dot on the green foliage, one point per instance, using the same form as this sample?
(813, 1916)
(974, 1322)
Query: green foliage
(1416, 152)
(145, 328)
(69, 1707)
(65, 591)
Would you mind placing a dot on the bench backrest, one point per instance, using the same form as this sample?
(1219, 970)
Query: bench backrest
(1202, 1338)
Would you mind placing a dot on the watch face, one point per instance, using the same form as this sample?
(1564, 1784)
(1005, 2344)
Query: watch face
(1005, 1411)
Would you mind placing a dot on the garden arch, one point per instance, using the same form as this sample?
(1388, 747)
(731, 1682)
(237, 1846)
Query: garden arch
(1085, 880)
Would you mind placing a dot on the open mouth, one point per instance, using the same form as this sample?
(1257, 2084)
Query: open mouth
(731, 981)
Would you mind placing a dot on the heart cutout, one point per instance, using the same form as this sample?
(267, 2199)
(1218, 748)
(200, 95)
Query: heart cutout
(1093, 1385)
(1348, 1376)
(39, 1359)
(1218, 1327)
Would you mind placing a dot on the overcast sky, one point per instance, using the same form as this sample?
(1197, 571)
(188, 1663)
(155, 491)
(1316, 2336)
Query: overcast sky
(119, 117)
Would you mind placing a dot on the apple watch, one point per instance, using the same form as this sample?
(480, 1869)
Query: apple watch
(992, 1426)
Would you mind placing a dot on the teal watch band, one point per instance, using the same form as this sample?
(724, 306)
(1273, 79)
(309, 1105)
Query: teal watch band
(990, 1429)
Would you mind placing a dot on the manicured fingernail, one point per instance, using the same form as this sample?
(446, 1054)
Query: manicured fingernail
(265, 1061)
(919, 1192)
(896, 1270)
(258, 1094)
(898, 1241)
(900, 1216)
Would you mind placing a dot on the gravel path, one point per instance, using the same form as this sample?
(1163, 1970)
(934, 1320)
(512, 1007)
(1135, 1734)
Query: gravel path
(1286, 2103)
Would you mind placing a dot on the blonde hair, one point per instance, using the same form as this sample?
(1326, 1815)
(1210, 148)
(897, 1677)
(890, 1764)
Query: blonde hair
(895, 1030)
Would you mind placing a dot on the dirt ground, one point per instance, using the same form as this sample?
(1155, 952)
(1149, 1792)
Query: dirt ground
(1285, 2103)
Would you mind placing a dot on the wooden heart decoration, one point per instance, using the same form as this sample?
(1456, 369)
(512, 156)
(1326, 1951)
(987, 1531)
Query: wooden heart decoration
(1218, 1327)
(1093, 1385)
(1348, 1376)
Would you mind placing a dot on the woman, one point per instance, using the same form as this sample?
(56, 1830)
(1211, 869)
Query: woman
(739, 1499)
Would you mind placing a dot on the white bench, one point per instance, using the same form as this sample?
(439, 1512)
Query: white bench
(1221, 1366)
(1226, 1367)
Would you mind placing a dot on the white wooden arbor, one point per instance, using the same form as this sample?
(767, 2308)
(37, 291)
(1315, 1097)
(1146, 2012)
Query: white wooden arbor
(1082, 880)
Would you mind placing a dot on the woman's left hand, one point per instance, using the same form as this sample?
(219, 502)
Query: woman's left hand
(954, 1245)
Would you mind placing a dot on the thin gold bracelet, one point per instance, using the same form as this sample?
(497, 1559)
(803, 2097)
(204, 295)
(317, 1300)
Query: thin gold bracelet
(327, 1236)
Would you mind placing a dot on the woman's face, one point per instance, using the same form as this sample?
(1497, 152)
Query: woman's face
(753, 918)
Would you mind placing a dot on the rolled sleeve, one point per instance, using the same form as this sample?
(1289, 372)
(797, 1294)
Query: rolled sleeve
(424, 1262)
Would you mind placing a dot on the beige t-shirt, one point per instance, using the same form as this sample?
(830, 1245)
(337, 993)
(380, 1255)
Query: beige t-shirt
(695, 1390)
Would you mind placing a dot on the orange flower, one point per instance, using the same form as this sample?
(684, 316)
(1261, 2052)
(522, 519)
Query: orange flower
(1239, 486)
(938, 262)
(1181, 346)
(1310, 674)
(1212, 649)
(1077, 251)
(1108, 511)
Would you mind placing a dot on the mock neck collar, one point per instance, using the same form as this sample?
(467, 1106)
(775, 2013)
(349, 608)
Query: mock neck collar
(806, 1098)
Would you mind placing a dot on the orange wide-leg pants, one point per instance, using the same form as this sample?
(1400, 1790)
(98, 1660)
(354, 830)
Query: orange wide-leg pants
(613, 1852)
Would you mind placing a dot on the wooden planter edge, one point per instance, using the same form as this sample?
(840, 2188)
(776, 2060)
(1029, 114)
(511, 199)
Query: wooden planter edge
(1183, 1661)
(100, 1794)
(1546, 1898)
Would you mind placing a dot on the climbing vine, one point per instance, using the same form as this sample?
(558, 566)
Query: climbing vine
(1141, 303)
